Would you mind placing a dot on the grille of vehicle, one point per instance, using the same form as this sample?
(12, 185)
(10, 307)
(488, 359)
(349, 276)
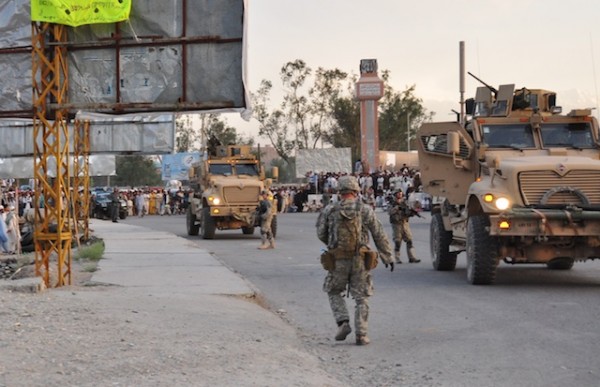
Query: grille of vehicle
(534, 184)
(239, 195)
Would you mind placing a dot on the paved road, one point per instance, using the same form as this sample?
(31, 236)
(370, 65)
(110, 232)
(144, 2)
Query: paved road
(534, 327)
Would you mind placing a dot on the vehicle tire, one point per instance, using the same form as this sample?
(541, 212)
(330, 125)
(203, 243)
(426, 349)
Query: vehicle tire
(274, 226)
(123, 215)
(482, 252)
(439, 245)
(564, 263)
(208, 225)
(190, 222)
(248, 230)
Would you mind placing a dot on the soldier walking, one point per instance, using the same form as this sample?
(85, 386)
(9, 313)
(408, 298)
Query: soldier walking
(344, 227)
(265, 215)
(400, 212)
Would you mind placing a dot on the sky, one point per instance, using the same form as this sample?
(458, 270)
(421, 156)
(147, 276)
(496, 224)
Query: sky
(545, 44)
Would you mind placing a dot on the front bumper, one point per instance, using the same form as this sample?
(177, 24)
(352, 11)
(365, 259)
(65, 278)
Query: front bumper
(545, 222)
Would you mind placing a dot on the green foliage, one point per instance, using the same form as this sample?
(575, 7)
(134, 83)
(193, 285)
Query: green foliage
(320, 105)
(287, 170)
(136, 171)
(399, 113)
(194, 130)
(92, 252)
(185, 135)
(346, 131)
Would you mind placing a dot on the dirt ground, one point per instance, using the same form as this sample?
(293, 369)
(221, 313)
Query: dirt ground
(89, 334)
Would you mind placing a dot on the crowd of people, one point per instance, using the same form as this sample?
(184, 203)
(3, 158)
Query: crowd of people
(376, 189)
(155, 201)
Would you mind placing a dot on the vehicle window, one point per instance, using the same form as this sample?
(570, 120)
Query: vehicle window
(246, 169)
(576, 135)
(516, 136)
(220, 169)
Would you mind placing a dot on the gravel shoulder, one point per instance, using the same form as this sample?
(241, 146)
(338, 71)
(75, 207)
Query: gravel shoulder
(90, 334)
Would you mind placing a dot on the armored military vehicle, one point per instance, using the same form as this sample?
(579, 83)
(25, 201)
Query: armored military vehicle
(518, 182)
(226, 189)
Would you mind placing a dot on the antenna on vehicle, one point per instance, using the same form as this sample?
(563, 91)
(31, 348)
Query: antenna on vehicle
(461, 115)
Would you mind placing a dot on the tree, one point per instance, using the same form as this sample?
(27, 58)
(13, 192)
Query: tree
(316, 107)
(272, 124)
(400, 114)
(136, 171)
(304, 115)
(346, 131)
(185, 135)
(396, 111)
(287, 170)
(193, 130)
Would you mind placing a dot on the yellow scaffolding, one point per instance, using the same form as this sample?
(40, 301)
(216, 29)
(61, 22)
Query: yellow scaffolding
(81, 180)
(52, 235)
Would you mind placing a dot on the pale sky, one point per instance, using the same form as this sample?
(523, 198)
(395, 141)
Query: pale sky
(546, 44)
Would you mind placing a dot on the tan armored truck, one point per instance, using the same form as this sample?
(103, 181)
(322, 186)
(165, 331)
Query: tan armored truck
(519, 183)
(226, 189)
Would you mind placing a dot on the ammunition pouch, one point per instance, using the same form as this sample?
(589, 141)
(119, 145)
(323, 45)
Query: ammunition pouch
(369, 257)
(328, 260)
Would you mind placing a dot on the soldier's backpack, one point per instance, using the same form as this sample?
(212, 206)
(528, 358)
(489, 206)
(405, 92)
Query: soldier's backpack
(348, 228)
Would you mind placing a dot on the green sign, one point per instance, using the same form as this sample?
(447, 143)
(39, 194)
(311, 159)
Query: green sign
(79, 12)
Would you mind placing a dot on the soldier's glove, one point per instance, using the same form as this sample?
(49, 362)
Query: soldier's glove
(391, 264)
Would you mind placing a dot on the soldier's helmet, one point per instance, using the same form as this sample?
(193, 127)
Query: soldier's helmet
(348, 184)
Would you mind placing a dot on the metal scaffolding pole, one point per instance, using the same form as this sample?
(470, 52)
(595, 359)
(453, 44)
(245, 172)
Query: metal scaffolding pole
(81, 180)
(52, 235)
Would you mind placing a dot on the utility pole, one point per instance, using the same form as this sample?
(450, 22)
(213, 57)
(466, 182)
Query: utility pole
(408, 131)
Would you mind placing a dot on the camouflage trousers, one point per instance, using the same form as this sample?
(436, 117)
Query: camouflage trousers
(401, 232)
(265, 228)
(350, 274)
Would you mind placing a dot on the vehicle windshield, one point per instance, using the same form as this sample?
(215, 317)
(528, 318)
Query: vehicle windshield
(220, 169)
(516, 136)
(575, 135)
(246, 169)
(101, 196)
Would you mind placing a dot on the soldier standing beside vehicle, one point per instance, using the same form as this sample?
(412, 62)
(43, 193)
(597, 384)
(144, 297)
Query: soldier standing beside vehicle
(344, 227)
(400, 212)
(115, 204)
(265, 215)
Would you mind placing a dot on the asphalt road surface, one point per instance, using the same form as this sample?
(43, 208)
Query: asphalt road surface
(533, 327)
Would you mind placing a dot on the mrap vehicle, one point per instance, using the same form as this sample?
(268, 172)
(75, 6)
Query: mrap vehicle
(518, 182)
(226, 189)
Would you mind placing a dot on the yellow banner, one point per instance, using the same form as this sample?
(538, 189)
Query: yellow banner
(79, 12)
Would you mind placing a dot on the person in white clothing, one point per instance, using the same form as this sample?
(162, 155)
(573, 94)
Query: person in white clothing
(12, 229)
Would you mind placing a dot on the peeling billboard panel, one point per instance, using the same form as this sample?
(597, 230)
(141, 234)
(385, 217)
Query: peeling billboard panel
(148, 133)
(170, 55)
(323, 160)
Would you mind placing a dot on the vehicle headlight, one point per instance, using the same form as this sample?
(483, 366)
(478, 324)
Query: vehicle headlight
(215, 201)
(502, 203)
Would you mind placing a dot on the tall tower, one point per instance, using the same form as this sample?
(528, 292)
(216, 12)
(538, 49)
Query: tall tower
(369, 89)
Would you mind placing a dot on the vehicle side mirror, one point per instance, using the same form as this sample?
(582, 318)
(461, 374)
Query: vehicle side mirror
(453, 145)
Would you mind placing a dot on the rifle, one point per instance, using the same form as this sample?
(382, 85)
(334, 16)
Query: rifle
(491, 88)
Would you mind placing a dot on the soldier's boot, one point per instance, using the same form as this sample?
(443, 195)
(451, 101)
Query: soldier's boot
(272, 244)
(343, 331)
(362, 340)
(397, 256)
(264, 244)
(411, 256)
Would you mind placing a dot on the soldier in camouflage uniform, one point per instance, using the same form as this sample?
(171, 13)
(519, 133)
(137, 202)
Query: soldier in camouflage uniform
(349, 271)
(265, 214)
(400, 212)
